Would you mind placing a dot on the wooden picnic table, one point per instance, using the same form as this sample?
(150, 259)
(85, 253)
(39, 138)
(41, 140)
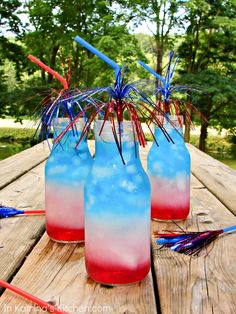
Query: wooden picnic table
(56, 272)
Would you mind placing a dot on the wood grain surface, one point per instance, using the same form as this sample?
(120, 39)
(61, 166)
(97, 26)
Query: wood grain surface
(205, 284)
(56, 273)
(17, 165)
(217, 177)
(19, 234)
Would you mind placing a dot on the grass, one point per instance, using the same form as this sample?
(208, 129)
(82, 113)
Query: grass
(229, 162)
(14, 140)
(220, 148)
(16, 134)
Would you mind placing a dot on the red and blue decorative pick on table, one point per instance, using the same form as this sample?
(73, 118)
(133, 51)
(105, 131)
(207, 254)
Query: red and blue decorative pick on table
(189, 243)
(6, 211)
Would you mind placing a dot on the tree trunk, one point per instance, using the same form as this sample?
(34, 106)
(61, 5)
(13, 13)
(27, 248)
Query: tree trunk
(53, 61)
(203, 137)
(187, 132)
(159, 58)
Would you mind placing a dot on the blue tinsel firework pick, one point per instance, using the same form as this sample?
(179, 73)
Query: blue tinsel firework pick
(165, 88)
(189, 243)
(59, 103)
(6, 211)
(123, 98)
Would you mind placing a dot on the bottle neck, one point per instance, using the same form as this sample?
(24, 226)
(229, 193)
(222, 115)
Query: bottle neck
(173, 128)
(106, 146)
(71, 137)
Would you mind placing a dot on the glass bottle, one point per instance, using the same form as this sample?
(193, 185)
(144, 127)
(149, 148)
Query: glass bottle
(168, 168)
(117, 210)
(65, 173)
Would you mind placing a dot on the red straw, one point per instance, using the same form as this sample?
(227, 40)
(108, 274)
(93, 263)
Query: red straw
(50, 308)
(49, 70)
(34, 211)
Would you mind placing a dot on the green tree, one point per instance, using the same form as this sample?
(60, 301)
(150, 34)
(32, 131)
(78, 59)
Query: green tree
(215, 102)
(56, 23)
(165, 15)
(10, 23)
(49, 36)
(208, 45)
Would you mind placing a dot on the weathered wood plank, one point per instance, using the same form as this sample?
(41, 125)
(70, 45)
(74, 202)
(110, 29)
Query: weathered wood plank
(56, 272)
(206, 284)
(217, 177)
(17, 165)
(19, 234)
(91, 145)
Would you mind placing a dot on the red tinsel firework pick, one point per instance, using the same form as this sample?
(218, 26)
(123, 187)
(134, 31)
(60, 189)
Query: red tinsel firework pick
(58, 102)
(189, 243)
(44, 305)
(165, 88)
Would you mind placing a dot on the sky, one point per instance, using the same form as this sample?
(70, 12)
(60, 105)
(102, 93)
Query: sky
(145, 28)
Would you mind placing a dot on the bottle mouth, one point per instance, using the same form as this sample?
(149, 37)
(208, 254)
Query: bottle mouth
(62, 123)
(177, 121)
(105, 132)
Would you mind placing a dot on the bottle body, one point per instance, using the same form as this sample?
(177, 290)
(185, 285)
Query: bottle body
(117, 213)
(169, 172)
(66, 170)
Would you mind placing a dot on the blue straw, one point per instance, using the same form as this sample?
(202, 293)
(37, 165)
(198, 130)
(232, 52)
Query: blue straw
(152, 71)
(101, 55)
(228, 229)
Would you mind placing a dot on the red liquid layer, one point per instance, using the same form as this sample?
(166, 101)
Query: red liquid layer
(64, 234)
(169, 212)
(116, 274)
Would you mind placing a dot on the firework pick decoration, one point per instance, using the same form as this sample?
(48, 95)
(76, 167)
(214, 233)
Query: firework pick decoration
(58, 103)
(123, 97)
(6, 211)
(46, 306)
(189, 243)
(165, 89)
